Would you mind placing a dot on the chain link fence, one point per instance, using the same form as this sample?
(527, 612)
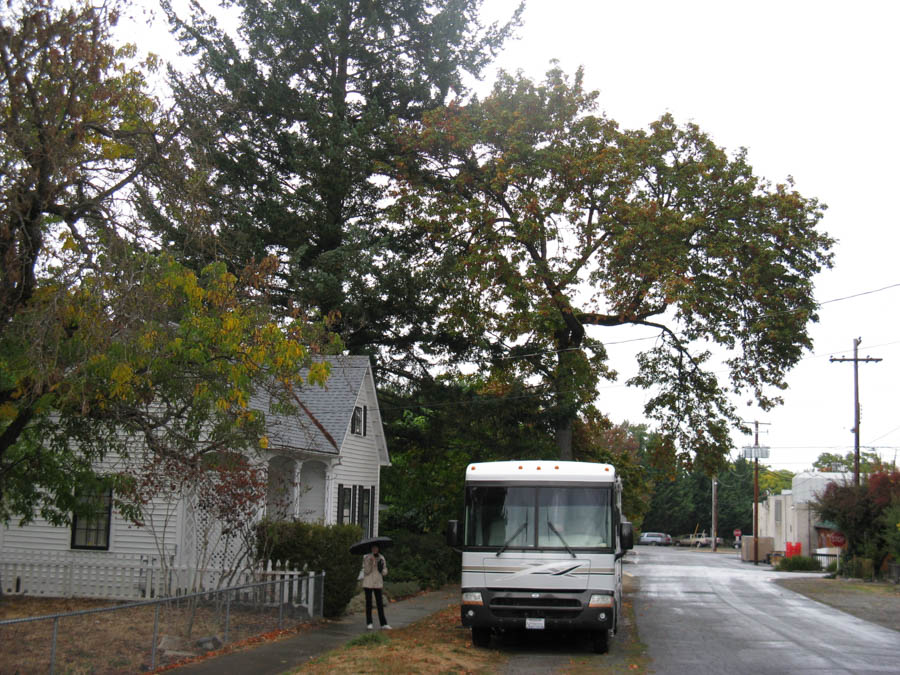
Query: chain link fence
(142, 636)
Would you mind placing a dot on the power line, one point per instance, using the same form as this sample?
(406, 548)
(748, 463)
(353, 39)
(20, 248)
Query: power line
(858, 295)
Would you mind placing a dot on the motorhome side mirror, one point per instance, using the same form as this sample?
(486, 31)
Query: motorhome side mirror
(626, 535)
(453, 534)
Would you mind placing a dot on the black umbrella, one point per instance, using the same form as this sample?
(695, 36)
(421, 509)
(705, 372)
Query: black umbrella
(365, 545)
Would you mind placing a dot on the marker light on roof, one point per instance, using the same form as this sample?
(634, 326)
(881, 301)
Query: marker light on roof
(556, 467)
(539, 468)
(520, 468)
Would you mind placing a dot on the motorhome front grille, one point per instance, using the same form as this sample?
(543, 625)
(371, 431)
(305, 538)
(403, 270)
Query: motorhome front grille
(519, 607)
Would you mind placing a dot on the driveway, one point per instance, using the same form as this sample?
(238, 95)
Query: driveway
(701, 612)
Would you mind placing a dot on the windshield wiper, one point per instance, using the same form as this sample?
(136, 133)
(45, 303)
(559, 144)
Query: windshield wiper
(509, 541)
(565, 543)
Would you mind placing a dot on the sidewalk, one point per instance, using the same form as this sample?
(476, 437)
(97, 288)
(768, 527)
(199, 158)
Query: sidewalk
(274, 658)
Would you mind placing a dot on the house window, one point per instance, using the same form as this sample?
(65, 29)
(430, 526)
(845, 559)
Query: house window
(359, 420)
(364, 518)
(345, 504)
(90, 530)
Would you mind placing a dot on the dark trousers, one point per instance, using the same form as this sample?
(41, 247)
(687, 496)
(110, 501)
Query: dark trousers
(378, 601)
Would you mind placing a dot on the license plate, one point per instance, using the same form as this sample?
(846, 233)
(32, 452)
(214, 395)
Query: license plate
(534, 624)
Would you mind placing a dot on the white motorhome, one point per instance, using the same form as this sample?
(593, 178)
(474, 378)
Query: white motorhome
(542, 546)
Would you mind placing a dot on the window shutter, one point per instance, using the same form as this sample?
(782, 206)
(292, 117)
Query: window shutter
(365, 420)
(340, 504)
(372, 512)
(353, 506)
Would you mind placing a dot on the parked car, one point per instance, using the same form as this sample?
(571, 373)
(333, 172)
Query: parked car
(653, 539)
(697, 540)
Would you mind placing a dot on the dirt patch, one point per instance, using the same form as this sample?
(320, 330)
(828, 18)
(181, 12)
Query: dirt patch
(875, 602)
(121, 641)
(436, 644)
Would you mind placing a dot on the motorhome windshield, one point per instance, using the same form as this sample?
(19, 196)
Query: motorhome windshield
(522, 517)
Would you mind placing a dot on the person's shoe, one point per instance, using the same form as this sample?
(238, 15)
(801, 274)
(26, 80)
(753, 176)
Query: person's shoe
(370, 626)
(386, 627)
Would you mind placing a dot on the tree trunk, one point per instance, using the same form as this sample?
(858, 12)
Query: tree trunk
(564, 438)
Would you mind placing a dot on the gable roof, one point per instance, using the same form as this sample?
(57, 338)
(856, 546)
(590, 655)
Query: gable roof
(322, 420)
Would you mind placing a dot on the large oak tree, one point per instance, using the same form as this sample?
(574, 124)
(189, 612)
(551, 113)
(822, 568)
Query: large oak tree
(562, 224)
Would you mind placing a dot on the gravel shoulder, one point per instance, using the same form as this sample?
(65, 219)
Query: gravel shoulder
(875, 602)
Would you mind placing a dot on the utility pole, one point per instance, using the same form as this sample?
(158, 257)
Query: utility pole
(856, 361)
(756, 452)
(715, 512)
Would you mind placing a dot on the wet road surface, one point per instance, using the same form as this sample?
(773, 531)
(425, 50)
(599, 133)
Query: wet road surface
(699, 612)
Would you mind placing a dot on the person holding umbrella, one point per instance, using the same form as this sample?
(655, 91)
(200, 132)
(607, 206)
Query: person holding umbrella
(374, 571)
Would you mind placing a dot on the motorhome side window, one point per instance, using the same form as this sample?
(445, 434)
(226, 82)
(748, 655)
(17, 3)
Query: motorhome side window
(545, 517)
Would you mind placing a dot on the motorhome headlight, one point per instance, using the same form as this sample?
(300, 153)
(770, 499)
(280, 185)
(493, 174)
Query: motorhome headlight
(601, 600)
(472, 598)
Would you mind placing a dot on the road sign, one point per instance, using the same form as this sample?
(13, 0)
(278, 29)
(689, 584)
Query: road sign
(838, 539)
(756, 452)
(736, 533)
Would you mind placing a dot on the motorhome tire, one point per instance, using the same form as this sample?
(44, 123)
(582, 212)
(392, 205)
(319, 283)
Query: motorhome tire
(601, 641)
(481, 637)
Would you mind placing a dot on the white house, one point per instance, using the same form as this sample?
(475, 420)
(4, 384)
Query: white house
(323, 465)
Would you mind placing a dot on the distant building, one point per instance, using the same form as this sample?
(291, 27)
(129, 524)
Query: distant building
(788, 517)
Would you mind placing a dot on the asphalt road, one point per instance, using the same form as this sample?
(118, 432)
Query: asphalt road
(699, 612)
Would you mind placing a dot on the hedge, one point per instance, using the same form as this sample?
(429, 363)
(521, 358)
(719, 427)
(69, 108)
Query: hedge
(316, 547)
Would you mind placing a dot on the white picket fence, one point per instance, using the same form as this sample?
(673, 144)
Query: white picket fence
(117, 576)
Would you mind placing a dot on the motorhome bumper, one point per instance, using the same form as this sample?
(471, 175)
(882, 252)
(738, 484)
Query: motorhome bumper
(548, 611)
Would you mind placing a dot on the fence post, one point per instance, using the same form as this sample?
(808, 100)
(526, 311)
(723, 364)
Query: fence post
(53, 645)
(155, 638)
(227, 615)
(281, 604)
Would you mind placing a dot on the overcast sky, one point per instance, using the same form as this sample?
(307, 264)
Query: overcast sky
(810, 89)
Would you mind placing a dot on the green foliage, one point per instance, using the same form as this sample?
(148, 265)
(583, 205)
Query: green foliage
(773, 482)
(856, 567)
(371, 639)
(559, 221)
(869, 462)
(798, 563)
(143, 360)
(288, 128)
(317, 548)
(437, 430)
(683, 503)
(863, 515)
(421, 558)
(890, 521)
(595, 440)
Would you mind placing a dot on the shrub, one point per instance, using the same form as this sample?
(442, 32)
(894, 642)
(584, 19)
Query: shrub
(858, 568)
(316, 547)
(423, 558)
(798, 563)
(396, 590)
(832, 567)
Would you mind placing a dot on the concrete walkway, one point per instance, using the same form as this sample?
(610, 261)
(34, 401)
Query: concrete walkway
(273, 658)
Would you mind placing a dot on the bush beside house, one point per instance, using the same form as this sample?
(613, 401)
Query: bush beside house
(316, 547)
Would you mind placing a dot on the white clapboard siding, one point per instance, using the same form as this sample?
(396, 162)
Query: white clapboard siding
(360, 464)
